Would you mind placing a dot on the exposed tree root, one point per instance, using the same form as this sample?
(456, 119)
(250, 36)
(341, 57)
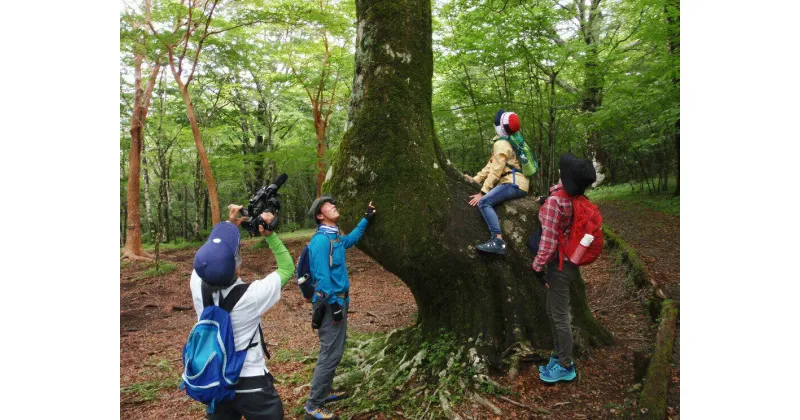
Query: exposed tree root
(486, 403)
(130, 255)
(527, 407)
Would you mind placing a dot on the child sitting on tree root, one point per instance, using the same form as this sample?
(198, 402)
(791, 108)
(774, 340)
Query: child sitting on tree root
(502, 180)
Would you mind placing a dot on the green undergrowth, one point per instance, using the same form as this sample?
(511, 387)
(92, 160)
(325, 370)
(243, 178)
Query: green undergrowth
(664, 201)
(157, 270)
(403, 372)
(173, 246)
(297, 234)
(160, 377)
(260, 243)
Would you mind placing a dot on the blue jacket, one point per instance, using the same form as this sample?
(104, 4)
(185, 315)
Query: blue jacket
(332, 279)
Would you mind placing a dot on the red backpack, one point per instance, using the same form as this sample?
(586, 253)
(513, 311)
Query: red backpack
(586, 218)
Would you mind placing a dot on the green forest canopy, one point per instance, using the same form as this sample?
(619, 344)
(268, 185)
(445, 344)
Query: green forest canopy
(593, 77)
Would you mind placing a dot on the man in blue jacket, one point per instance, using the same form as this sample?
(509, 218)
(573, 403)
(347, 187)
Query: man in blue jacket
(326, 253)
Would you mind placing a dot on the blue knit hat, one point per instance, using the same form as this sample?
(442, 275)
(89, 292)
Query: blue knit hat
(215, 261)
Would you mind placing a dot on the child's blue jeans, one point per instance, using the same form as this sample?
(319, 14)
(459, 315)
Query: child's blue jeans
(497, 195)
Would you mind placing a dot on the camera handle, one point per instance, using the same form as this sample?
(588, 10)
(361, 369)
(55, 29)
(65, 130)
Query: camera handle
(272, 225)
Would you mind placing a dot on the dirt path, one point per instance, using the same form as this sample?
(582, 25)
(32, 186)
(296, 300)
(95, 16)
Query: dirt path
(156, 315)
(656, 238)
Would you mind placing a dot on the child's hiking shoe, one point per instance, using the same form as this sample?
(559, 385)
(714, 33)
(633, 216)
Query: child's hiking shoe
(319, 413)
(492, 246)
(553, 361)
(558, 373)
(337, 396)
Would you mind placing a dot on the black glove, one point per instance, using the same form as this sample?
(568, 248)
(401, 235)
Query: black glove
(318, 315)
(541, 276)
(370, 213)
(541, 199)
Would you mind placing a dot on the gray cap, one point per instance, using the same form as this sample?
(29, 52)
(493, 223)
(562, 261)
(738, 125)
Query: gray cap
(316, 206)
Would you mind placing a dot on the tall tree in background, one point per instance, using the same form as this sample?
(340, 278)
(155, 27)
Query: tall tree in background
(427, 231)
(141, 104)
(590, 21)
(672, 10)
(187, 27)
(321, 87)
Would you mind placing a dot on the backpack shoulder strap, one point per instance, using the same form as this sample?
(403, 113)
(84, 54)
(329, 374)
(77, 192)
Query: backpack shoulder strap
(207, 293)
(263, 342)
(230, 302)
(233, 297)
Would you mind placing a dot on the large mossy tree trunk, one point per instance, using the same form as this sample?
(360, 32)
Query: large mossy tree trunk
(425, 231)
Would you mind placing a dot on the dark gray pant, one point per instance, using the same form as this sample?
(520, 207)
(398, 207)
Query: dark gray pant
(558, 309)
(331, 339)
(258, 401)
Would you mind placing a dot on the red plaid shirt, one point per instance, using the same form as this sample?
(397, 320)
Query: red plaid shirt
(555, 215)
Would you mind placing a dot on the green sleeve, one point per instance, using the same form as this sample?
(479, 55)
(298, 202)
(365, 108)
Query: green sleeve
(282, 256)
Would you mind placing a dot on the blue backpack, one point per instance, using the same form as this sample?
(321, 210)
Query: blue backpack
(211, 363)
(305, 280)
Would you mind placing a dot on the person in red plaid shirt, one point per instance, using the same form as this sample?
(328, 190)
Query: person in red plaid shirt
(555, 216)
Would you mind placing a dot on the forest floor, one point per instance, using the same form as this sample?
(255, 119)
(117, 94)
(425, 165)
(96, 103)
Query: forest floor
(156, 315)
(656, 236)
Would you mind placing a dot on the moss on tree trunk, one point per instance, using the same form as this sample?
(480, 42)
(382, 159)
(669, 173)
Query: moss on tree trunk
(425, 231)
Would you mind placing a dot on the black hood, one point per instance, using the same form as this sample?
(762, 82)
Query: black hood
(576, 174)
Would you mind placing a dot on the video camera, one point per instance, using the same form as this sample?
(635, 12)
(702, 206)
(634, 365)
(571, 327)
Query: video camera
(264, 200)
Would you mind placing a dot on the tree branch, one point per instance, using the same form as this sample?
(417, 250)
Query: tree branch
(200, 44)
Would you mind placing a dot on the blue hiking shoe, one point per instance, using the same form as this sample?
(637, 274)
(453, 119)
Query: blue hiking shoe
(336, 396)
(553, 361)
(492, 246)
(319, 413)
(558, 373)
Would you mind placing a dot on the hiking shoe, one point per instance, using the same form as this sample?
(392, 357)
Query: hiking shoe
(319, 413)
(553, 361)
(336, 396)
(492, 246)
(558, 373)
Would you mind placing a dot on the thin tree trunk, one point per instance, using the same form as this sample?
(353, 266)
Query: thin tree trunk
(201, 150)
(593, 81)
(205, 210)
(177, 69)
(123, 212)
(478, 124)
(185, 211)
(198, 191)
(133, 238)
(551, 126)
(319, 125)
(147, 205)
(168, 203)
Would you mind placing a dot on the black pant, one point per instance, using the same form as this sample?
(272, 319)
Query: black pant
(558, 312)
(256, 399)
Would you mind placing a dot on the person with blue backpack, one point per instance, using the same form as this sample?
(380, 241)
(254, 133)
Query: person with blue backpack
(223, 358)
(330, 301)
